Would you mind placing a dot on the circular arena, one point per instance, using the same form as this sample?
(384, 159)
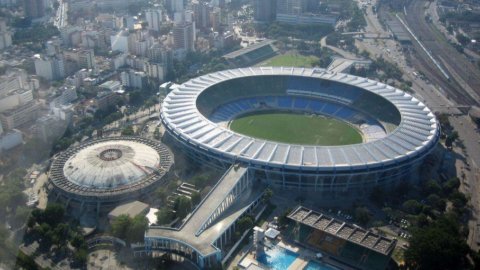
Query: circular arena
(108, 171)
(302, 128)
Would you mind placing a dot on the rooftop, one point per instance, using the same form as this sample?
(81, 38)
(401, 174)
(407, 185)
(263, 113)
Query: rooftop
(248, 49)
(131, 209)
(343, 230)
(416, 134)
(111, 164)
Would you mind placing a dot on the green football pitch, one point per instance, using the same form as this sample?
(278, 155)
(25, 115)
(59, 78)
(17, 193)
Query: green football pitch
(296, 128)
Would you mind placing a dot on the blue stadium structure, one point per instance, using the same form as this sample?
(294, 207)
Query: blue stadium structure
(398, 130)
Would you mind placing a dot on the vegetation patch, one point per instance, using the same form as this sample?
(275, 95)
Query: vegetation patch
(292, 60)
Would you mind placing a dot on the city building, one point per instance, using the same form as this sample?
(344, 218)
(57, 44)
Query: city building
(15, 98)
(291, 7)
(5, 35)
(154, 19)
(184, 37)
(50, 67)
(20, 115)
(120, 41)
(173, 6)
(133, 78)
(154, 70)
(299, 12)
(111, 86)
(106, 99)
(307, 19)
(201, 11)
(34, 8)
(83, 58)
(10, 139)
(264, 10)
(100, 174)
(49, 128)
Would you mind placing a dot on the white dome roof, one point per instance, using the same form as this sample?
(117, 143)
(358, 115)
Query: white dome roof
(111, 164)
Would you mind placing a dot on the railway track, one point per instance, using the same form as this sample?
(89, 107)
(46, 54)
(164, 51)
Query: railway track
(441, 49)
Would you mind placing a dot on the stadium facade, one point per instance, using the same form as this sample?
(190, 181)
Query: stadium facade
(100, 174)
(398, 129)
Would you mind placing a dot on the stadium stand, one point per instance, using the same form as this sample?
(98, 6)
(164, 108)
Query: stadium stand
(328, 95)
(370, 128)
(252, 54)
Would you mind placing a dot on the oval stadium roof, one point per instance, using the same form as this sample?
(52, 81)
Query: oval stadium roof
(416, 133)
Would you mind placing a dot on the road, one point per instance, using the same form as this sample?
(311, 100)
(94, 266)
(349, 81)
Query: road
(392, 51)
(464, 86)
(60, 19)
(343, 53)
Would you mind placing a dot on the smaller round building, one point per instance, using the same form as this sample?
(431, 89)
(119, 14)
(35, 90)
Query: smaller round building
(108, 171)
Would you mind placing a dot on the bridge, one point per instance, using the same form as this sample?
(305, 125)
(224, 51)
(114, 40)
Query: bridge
(371, 35)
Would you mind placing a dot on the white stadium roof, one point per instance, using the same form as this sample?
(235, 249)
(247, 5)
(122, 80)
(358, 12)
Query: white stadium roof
(417, 131)
(111, 164)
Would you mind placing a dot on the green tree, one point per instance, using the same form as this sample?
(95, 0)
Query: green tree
(451, 139)
(432, 187)
(80, 257)
(164, 216)
(121, 226)
(412, 207)
(128, 131)
(438, 246)
(244, 223)
(183, 206)
(196, 198)
(53, 214)
(267, 195)
(136, 230)
(363, 215)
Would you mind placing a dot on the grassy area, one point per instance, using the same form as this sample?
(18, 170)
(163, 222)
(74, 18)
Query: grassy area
(291, 60)
(296, 128)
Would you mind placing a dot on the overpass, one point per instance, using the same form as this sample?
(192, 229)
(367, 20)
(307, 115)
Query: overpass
(372, 35)
(210, 226)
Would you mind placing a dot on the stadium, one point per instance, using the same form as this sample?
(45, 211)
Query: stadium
(102, 173)
(302, 128)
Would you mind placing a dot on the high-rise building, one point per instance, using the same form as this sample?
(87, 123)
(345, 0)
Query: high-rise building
(154, 19)
(120, 41)
(34, 8)
(184, 36)
(175, 5)
(5, 35)
(50, 68)
(156, 71)
(133, 78)
(264, 10)
(84, 58)
(291, 7)
(201, 12)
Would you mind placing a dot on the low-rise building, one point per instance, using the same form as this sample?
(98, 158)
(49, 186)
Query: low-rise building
(20, 115)
(10, 140)
(131, 209)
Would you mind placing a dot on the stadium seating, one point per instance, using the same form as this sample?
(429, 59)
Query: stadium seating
(223, 101)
